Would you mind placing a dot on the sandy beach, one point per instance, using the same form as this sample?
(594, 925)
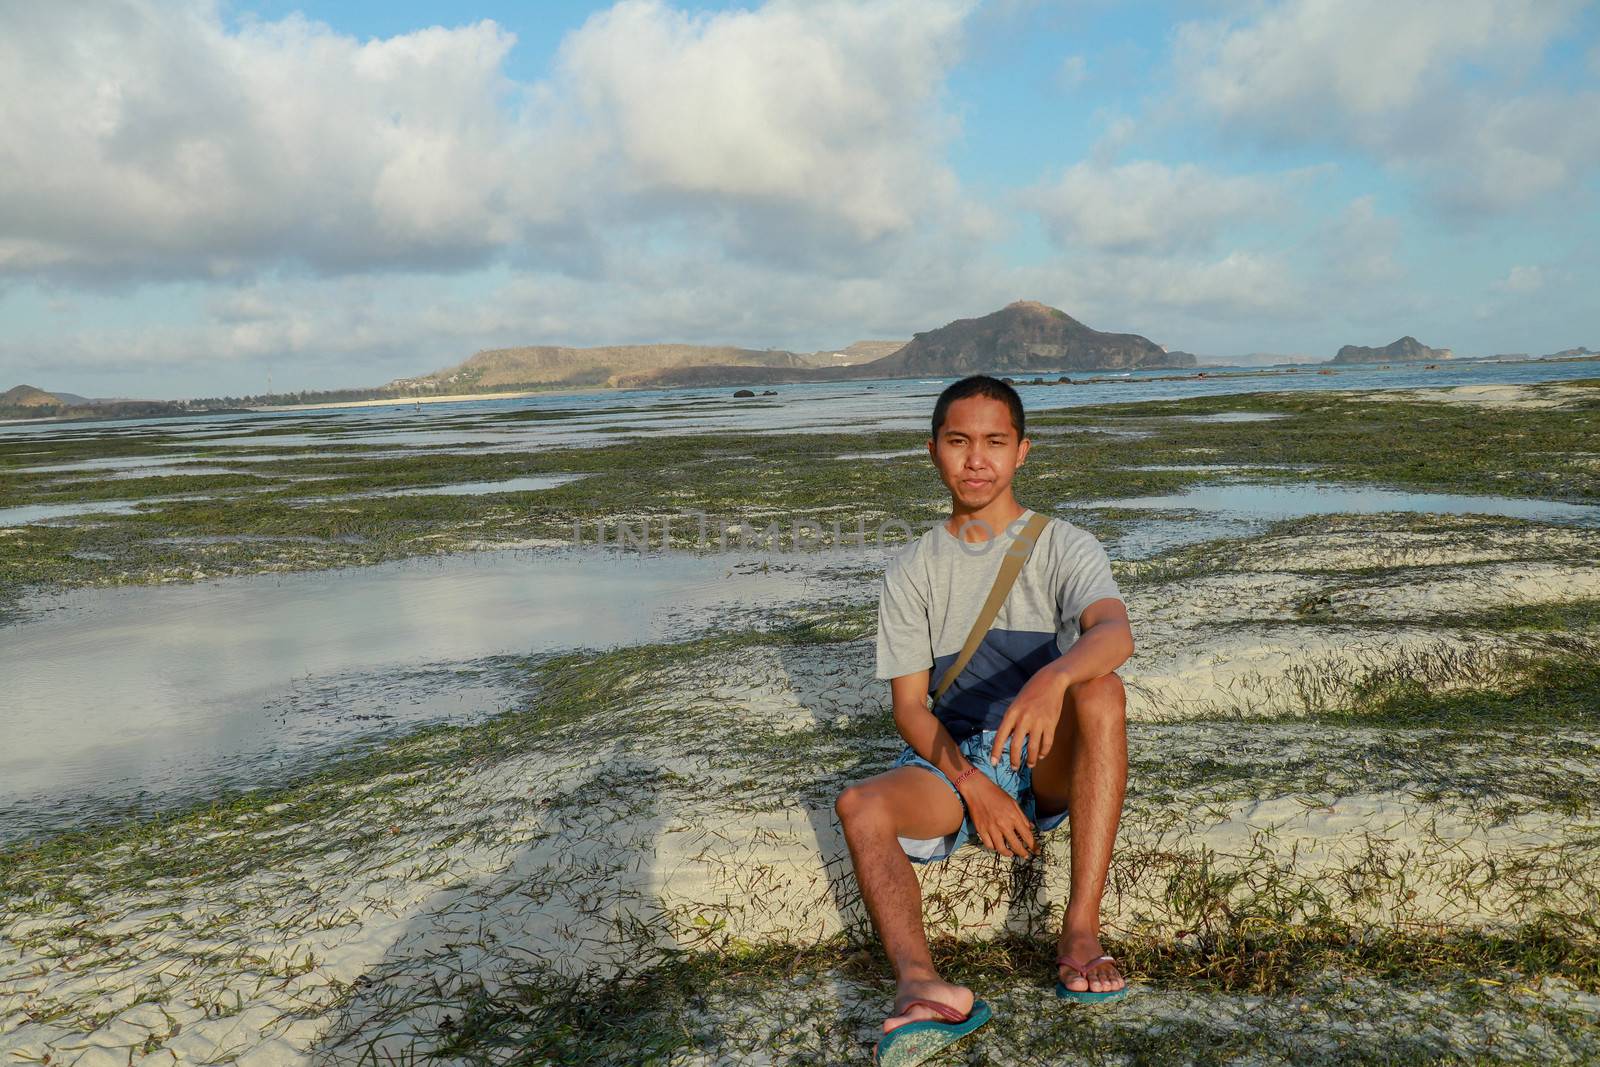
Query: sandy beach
(1363, 790)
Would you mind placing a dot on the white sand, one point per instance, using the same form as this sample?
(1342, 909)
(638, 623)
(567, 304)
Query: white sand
(582, 857)
(1508, 397)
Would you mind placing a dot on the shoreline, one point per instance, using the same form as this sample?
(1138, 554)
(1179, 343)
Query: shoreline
(454, 398)
(1203, 370)
(459, 398)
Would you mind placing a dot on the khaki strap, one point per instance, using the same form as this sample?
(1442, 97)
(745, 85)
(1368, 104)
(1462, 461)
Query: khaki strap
(1009, 569)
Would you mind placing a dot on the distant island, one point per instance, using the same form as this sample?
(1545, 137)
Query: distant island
(1580, 352)
(26, 396)
(29, 402)
(1406, 350)
(1024, 337)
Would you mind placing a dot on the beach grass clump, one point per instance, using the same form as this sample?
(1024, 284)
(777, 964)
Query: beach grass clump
(1323, 994)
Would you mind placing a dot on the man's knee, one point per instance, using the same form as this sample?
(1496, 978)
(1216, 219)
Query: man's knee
(857, 802)
(1099, 696)
(1107, 687)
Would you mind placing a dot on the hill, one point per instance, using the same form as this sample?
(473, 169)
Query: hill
(716, 374)
(1024, 337)
(1407, 349)
(859, 352)
(1021, 338)
(26, 396)
(535, 365)
(26, 402)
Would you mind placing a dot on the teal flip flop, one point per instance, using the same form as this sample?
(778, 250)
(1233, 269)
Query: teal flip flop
(1085, 996)
(914, 1043)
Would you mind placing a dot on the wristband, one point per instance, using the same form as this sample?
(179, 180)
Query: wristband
(963, 776)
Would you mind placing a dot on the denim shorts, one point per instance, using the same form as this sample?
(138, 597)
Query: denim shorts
(1018, 784)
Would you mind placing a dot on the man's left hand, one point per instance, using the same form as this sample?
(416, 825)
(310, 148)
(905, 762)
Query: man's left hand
(1031, 719)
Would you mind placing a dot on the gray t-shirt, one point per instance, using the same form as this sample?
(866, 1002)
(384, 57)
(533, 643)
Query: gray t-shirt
(931, 594)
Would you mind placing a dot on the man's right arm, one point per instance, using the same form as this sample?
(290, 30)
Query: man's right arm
(921, 728)
(905, 658)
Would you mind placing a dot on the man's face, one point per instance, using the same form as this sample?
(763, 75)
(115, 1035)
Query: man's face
(977, 450)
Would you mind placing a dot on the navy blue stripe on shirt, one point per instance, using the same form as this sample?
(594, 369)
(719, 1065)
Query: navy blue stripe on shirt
(1003, 663)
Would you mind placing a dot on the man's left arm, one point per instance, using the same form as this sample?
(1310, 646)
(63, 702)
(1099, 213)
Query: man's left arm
(1105, 641)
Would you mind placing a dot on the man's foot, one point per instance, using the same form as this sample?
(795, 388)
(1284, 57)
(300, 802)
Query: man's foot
(1103, 977)
(958, 997)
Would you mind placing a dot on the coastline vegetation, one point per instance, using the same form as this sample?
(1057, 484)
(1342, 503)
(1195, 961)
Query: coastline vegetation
(1245, 933)
(311, 508)
(1458, 925)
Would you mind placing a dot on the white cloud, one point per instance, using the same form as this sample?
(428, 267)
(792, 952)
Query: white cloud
(1073, 72)
(1521, 279)
(1307, 60)
(1147, 206)
(1359, 245)
(1432, 87)
(148, 140)
(1511, 152)
(1147, 289)
(819, 109)
(152, 142)
(364, 329)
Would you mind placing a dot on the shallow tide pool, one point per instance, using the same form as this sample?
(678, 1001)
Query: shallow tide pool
(1268, 501)
(1239, 509)
(143, 695)
(31, 513)
(508, 485)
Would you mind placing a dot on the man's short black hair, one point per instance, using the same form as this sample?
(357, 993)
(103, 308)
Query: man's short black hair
(978, 385)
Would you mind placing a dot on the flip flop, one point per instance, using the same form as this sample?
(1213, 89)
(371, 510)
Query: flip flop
(1084, 995)
(916, 1042)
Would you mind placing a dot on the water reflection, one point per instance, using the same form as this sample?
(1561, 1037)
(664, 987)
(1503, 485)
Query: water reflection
(509, 485)
(1272, 502)
(113, 694)
(1241, 509)
(25, 514)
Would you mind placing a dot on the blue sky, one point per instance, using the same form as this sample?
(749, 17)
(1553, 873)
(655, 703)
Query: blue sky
(197, 196)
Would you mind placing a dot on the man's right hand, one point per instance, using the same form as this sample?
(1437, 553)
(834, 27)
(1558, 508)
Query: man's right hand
(997, 817)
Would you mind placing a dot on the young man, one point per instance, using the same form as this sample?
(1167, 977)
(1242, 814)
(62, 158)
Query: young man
(1030, 730)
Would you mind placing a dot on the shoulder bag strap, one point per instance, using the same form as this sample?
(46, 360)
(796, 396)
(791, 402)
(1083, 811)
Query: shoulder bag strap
(1009, 569)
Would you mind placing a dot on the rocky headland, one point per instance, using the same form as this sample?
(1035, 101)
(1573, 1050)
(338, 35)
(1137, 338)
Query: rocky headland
(1406, 349)
(30, 402)
(1024, 337)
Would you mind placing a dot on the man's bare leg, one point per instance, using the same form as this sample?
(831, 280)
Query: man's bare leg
(910, 802)
(1086, 772)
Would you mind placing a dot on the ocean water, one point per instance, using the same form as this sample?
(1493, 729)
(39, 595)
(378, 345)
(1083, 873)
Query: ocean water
(814, 407)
